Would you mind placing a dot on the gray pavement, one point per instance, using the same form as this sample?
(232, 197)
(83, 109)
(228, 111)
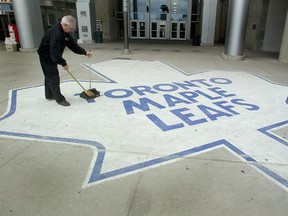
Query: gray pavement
(41, 178)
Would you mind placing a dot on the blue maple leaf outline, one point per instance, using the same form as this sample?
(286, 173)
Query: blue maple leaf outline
(95, 174)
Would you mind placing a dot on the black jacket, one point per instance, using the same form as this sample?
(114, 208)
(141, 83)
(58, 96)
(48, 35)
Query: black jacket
(54, 42)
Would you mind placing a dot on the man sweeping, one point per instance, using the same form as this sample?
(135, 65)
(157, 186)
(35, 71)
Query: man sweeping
(50, 53)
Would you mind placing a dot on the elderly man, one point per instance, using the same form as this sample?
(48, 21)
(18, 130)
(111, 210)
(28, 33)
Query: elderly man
(50, 53)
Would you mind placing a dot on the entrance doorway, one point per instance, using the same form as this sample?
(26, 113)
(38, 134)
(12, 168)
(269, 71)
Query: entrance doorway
(159, 19)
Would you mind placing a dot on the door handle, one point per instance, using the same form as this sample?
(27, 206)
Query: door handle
(147, 8)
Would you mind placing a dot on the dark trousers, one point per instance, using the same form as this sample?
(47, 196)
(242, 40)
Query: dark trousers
(52, 79)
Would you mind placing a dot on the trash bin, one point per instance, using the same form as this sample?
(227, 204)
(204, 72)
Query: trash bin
(10, 45)
(99, 37)
(99, 32)
(196, 40)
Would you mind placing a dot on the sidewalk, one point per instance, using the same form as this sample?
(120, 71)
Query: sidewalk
(44, 176)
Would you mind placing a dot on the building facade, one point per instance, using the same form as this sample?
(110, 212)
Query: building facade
(203, 22)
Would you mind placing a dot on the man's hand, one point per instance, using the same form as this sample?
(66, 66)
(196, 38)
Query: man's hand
(89, 54)
(66, 67)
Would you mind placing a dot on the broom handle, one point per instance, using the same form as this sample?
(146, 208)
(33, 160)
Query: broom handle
(90, 72)
(76, 80)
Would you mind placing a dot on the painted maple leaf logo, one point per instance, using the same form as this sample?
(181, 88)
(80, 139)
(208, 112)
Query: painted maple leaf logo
(151, 113)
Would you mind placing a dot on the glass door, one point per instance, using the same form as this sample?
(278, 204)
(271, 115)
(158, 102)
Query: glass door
(158, 19)
(159, 12)
(138, 19)
(168, 19)
(179, 12)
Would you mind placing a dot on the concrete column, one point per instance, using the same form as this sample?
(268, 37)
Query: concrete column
(236, 29)
(208, 22)
(86, 20)
(125, 15)
(29, 24)
(283, 57)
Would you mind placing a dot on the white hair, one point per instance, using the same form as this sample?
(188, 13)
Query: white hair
(69, 20)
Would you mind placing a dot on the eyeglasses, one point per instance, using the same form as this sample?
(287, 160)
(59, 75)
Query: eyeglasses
(71, 28)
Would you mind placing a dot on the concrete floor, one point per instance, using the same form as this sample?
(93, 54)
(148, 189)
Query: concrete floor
(45, 177)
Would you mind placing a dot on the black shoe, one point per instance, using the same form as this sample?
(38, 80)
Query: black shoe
(64, 103)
